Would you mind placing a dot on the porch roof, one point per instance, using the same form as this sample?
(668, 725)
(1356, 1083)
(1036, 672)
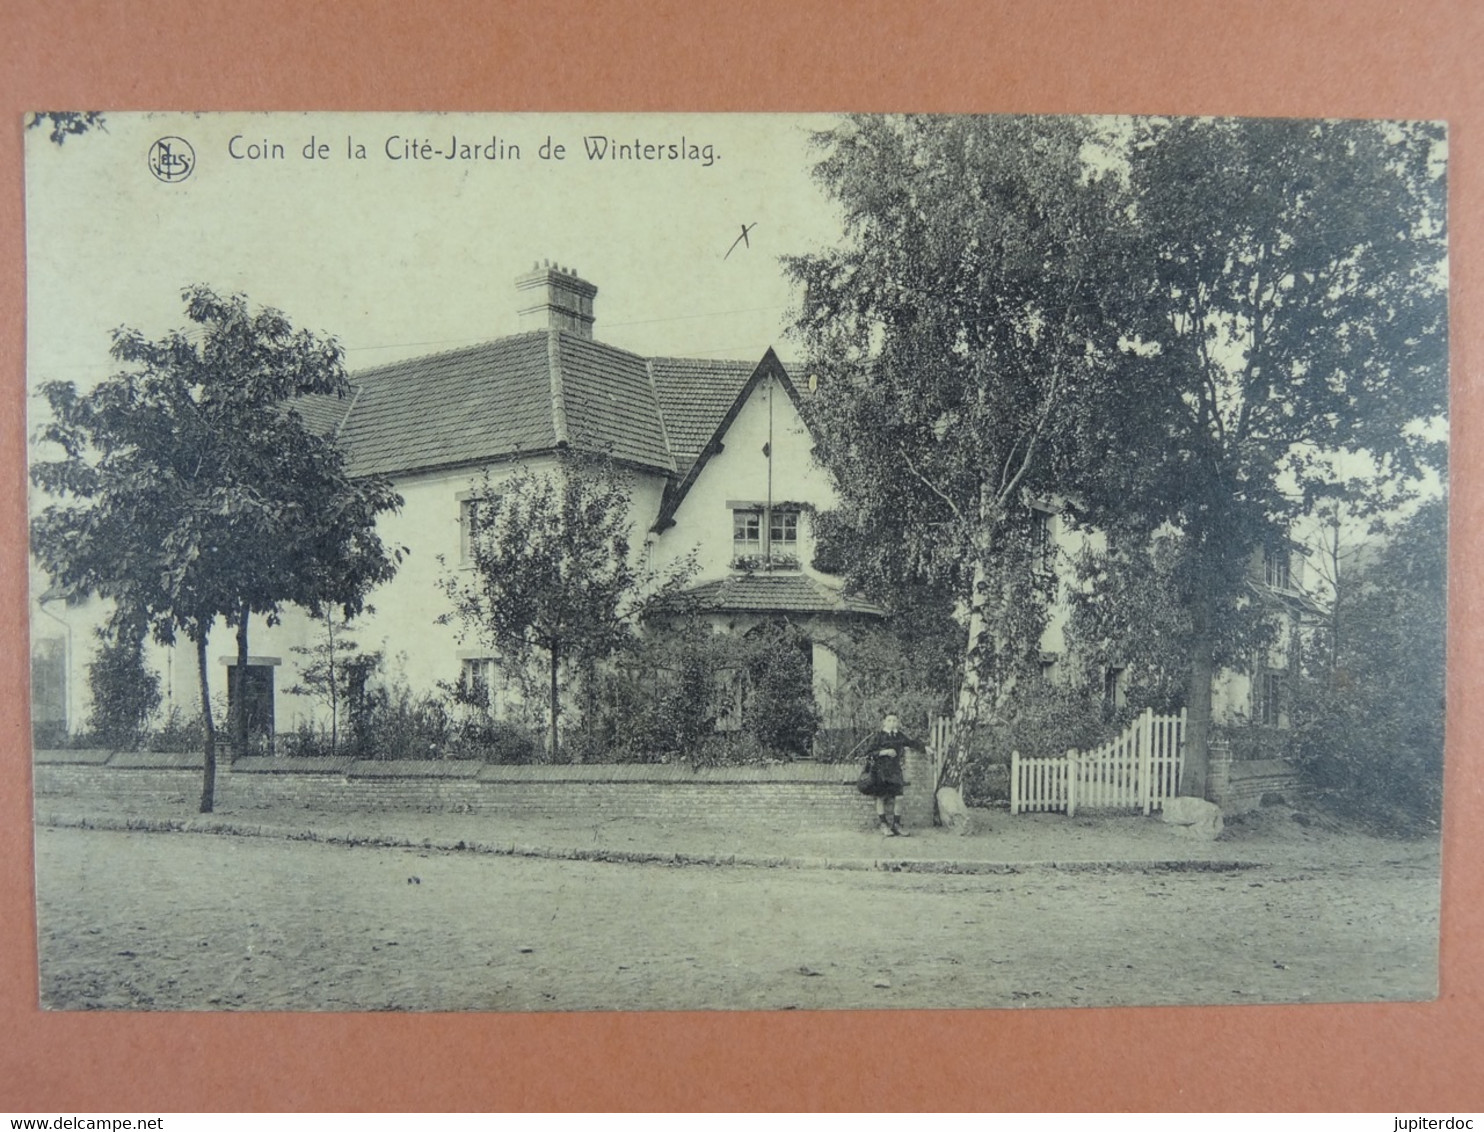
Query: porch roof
(779, 593)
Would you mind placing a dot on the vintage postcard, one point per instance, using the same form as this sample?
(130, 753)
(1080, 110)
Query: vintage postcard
(735, 562)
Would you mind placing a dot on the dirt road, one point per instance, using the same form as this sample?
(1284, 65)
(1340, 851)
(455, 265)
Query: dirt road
(195, 922)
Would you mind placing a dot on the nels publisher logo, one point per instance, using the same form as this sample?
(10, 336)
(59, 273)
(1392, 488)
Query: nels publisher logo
(172, 159)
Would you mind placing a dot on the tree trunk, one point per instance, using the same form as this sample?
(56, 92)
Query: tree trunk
(1193, 780)
(239, 683)
(966, 713)
(208, 785)
(555, 699)
(334, 689)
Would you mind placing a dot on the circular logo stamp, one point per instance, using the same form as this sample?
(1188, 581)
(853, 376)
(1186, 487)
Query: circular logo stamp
(172, 159)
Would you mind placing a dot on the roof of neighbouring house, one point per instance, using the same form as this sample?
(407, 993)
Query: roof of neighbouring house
(778, 593)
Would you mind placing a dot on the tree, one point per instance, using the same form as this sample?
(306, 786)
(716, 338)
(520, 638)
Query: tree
(1287, 309)
(552, 575)
(1370, 712)
(335, 672)
(957, 335)
(191, 488)
(125, 691)
(780, 709)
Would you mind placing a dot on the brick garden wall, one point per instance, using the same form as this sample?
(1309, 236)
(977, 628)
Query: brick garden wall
(1238, 785)
(799, 794)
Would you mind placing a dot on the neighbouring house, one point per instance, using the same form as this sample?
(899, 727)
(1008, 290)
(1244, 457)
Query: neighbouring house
(1254, 696)
(717, 453)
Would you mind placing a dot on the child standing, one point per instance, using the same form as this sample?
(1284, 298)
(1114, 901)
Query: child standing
(882, 775)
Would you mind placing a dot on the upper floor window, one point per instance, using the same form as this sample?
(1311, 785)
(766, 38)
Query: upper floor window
(781, 546)
(468, 524)
(783, 532)
(472, 511)
(747, 534)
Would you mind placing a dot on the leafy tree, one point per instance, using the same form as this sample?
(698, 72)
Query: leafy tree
(125, 691)
(1287, 307)
(957, 335)
(553, 578)
(191, 489)
(335, 673)
(1370, 712)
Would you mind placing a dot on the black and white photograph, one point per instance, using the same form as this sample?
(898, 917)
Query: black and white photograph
(597, 562)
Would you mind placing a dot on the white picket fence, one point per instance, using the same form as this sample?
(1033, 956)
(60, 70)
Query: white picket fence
(1136, 771)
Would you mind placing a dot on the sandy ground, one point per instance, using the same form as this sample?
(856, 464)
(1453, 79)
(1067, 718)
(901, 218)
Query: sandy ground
(182, 920)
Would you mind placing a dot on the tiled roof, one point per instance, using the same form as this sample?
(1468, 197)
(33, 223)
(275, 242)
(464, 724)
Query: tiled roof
(609, 403)
(526, 393)
(778, 593)
(694, 395)
(458, 407)
(530, 393)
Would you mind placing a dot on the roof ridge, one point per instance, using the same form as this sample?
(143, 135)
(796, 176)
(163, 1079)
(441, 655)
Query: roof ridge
(600, 344)
(484, 343)
(711, 363)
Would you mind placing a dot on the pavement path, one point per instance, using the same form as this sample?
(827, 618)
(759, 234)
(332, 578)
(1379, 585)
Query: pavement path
(998, 843)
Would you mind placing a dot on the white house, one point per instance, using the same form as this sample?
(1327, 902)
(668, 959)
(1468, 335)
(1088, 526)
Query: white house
(719, 461)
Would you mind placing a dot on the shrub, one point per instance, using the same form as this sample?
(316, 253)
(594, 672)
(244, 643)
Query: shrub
(493, 741)
(780, 710)
(178, 734)
(660, 702)
(400, 725)
(124, 689)
(1369, 717)
(308, 740)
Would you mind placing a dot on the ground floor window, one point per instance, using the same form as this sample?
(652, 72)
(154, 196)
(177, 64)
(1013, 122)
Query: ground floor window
(1270, 699)
(477, 682)
(49, 687)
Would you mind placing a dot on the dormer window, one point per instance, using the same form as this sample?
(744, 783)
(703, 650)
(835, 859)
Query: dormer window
(747, 534)
(1275, 568)
(751, 550)
(783, 532)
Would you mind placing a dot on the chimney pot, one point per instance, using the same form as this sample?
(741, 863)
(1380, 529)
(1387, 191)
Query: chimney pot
(553, 297)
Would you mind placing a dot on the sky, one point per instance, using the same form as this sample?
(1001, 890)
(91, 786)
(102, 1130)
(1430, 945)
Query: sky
(407, 251)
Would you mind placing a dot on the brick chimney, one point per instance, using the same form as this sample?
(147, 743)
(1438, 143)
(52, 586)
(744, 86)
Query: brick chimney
(554, 298)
